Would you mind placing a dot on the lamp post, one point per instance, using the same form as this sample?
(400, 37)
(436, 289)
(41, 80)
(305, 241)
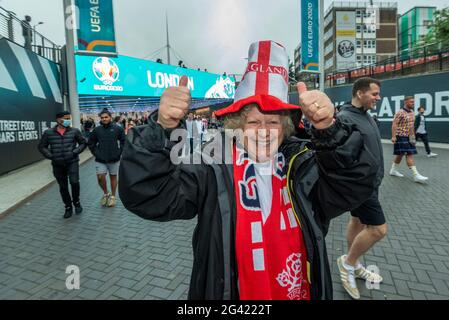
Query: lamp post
(34, 31)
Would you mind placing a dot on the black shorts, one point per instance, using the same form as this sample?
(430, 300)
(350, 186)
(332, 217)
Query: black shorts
(370, 212)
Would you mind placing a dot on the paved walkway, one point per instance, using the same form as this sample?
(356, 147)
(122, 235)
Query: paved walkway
(413, 258)
(18, 186)
(121, 256)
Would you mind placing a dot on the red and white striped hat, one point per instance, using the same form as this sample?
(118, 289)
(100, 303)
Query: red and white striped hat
(265, 81)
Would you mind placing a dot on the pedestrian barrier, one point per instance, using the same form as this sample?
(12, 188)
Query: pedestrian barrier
(12, 28)
(427, 59)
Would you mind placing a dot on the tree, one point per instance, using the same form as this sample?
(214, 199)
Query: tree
(440, 29)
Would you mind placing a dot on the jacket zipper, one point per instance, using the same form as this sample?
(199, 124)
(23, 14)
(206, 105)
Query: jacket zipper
(290, 191)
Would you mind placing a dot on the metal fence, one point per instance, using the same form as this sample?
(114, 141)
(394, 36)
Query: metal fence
(12, 28)
(425, 59)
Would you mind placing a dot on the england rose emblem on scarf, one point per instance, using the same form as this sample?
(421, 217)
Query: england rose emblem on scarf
(292, 277)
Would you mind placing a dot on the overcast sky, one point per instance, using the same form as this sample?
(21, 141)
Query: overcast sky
(212, 34)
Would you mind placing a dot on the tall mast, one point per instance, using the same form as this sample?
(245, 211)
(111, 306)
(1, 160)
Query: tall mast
(168, 39)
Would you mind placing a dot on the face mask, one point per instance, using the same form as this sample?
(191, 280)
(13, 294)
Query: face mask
(67, 123)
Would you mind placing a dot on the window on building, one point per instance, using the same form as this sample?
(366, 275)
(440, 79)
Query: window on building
(358, 28)
(367, 28)
(359, 44)
(367, 59)
(358, 13)
(370, 44)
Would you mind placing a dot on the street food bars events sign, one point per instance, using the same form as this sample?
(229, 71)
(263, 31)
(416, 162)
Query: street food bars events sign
(126, 76)
(309, 35)
(96, 32)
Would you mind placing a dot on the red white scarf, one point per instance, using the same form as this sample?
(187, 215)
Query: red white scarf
(271, 256)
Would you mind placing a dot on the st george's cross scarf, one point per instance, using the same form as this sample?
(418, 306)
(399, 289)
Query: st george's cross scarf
(271, 256)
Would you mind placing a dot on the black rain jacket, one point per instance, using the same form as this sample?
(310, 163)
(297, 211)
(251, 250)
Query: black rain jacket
(332, 175)
(106, 143)
(62, 149)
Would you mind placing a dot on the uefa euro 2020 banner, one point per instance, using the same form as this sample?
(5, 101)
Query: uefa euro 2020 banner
(126, 76)
(309, 35)
(96, 31)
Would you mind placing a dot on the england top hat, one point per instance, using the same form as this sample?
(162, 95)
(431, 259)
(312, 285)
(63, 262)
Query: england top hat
(265, 81)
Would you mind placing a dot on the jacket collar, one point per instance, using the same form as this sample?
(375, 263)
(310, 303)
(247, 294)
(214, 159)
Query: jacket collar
(55, 128)
(352, 108)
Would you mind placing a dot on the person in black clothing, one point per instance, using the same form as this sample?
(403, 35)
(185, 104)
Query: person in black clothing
(106, 144)
(88, 126)
(301, 131)
(323, 179)
(27, 32)
(62, 145)
(213, 123)
(421, 131)
(367, 224)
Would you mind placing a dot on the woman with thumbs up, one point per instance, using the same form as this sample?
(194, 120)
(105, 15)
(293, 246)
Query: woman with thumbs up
(262, 213)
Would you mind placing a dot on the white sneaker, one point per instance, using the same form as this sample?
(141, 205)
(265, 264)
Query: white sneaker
(347, 277)
(104, 200)
(432, 155)
(396, 173)
(365, 274)
(361, 272)
(111, 202)
(420, 179)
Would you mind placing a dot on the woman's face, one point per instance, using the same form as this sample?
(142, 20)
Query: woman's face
(263, 134)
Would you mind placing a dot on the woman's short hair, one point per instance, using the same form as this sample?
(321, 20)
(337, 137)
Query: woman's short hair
(235, 120)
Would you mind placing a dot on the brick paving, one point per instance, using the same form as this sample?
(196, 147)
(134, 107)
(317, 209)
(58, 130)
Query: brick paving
(122, 256)
(414, 257)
